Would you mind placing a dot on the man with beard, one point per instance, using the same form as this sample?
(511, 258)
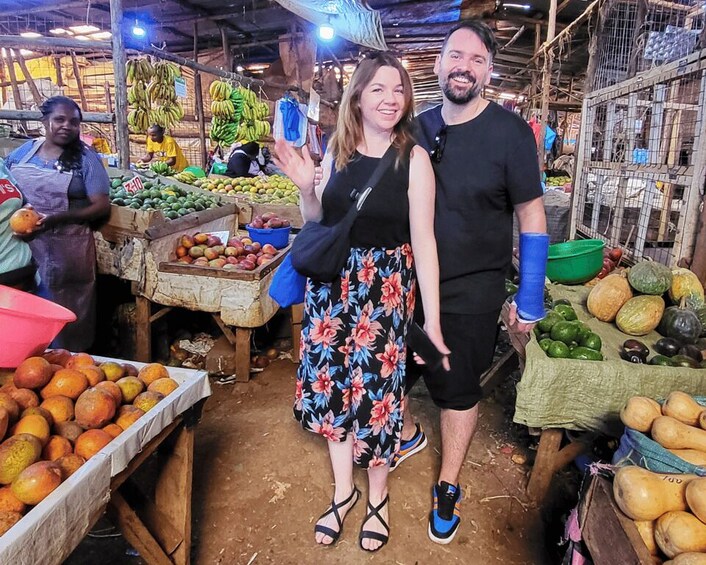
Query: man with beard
(486, 168)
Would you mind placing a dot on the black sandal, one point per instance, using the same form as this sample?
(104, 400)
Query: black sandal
(367, 534)
(334, 510)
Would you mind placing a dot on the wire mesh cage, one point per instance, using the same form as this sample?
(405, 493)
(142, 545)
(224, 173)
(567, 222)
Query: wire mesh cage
(642, 161)
(632, 36)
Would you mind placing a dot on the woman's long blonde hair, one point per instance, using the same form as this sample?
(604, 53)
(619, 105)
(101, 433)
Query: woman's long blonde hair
(349, 127)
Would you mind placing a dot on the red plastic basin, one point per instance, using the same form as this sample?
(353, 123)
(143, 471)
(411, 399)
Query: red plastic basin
(27, 325)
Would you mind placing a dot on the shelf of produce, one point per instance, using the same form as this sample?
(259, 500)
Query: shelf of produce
(586, 396)
(52, 529)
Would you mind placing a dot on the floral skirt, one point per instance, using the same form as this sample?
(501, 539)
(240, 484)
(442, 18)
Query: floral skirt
(352, 371)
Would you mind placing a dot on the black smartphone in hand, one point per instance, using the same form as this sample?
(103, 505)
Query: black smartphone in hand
(419, 342)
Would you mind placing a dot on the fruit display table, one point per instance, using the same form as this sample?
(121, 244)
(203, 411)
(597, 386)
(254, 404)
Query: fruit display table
(237, 299)
(568, 394)
(161, 529)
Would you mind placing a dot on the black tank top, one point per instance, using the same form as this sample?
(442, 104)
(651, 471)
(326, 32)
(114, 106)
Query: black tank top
(384, 218)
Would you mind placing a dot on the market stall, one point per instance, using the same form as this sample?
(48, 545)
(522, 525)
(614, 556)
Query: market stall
(159, 530)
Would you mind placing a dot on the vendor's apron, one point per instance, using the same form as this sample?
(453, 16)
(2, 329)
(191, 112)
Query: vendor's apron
(65, 255)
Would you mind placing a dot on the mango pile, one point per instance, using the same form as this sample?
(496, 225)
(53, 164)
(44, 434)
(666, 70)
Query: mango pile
(275, 189)
(58, 411)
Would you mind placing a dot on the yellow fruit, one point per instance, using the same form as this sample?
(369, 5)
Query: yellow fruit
(113, 371)
(69, 464)
(128, 415)
(36, 482)
(152, 372)
(9, 502)
(163, 386)
(56, 448)
(33, 372)
(147, 400)
(35, 425)
(16, 454)
(91, 442)
(60, 407)
(130, 387)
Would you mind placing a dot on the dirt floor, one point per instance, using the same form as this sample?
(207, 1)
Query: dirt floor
(260, 483)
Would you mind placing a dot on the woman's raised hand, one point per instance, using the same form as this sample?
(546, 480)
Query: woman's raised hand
(299, 167)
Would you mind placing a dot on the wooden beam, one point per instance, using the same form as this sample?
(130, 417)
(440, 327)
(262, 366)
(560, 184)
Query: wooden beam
(19, 11)
(79, 83)
(514, 38)
(57, 68)
(15, 87)
(90, 117)
(52, 43)
(28, 76)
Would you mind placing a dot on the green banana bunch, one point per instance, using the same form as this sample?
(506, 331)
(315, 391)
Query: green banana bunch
(186, 177)
(161, 168)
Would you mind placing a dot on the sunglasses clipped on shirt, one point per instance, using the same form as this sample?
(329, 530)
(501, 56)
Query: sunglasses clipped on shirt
(439, 145)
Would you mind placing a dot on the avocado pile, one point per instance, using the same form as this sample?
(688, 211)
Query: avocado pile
(561, 335)
(171, 200)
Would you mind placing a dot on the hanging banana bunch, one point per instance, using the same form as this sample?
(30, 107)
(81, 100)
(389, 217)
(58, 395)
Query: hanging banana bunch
(166, 71)
(254, 125)
(139, 69)
(220, 90)
(139, 120)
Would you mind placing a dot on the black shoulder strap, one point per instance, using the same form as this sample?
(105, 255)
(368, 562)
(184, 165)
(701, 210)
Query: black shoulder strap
(387, 160)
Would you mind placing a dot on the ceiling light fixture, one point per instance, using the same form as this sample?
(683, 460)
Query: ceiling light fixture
(30, 34)
(326, 31)
(101, 35)
(138, 30)
(83, 29)
(518, 6)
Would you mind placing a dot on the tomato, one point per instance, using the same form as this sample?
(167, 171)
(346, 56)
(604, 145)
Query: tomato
(615, 254)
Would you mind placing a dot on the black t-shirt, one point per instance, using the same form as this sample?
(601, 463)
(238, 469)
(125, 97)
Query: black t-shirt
(489, 165)
(384, 219)
(239, 165)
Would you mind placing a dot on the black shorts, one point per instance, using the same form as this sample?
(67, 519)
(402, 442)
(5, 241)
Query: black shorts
(471, 339)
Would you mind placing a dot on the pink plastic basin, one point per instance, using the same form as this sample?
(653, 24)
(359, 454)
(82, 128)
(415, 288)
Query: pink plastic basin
(27, 325)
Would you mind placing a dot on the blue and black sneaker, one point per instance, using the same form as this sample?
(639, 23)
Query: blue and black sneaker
(408, 448)
(444, 517)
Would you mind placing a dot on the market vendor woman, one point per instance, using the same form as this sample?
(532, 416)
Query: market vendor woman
(64, 180)
(164, 148)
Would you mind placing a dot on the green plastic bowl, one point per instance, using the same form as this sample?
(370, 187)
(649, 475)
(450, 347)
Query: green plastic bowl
(575, 262)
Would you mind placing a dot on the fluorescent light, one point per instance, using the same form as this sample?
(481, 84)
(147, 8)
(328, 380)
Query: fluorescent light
(59, 31)
(83, 37)
(101, 35)
(30, 34)
(258, 67)
(26, 52)
(240, 68)
(507, 96)
(405, 63)
(495, 75)
(518, 6)
(84, 29)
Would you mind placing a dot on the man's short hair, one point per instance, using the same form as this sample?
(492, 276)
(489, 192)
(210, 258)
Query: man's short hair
(481, 29)
(159, 130)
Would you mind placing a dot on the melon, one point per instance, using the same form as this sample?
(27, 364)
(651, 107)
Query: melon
(640, 315)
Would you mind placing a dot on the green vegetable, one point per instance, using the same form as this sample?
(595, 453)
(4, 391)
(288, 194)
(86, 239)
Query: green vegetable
(586, 354)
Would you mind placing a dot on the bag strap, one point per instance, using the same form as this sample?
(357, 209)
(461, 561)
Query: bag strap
(385, 162)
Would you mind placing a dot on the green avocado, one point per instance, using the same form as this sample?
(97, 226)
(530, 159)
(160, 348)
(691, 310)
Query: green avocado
(592, 341)
(558, 350)
(564, 331)
(586, 354)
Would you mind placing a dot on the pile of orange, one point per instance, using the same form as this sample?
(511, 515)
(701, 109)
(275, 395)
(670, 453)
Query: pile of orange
(60, 410)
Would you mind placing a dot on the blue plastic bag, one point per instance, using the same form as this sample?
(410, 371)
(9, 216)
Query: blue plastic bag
(288, 285)
(549, 137)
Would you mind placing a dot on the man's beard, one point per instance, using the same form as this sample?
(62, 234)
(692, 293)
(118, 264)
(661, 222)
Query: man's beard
(473, 91)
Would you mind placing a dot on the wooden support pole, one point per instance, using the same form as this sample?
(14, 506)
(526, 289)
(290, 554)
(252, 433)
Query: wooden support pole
(199, 101)
(79, 83)
(57, 68)
(226, 48)
(546, 83)
(28, 77)
(143, 339)
(119, 63)
(17, 98)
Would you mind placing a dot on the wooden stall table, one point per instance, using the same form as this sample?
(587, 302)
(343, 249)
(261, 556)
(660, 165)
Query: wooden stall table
(555, 395)
(161, 529)
(141, 255)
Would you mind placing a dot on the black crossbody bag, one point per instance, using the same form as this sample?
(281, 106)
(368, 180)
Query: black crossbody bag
(320, 252)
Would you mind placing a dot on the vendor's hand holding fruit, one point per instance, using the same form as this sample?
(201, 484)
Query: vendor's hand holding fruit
(27, 221)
